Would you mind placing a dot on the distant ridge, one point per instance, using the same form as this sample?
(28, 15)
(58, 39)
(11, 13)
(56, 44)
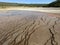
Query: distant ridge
(7, 4)
(3, 4)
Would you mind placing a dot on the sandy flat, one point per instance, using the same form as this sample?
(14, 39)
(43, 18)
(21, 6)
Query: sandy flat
(29, 28)
(41, 9)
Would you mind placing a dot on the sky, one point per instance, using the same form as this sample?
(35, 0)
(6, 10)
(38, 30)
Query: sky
(28, 1)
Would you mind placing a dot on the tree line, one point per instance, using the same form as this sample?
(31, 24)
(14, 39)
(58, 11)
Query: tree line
(4, 4)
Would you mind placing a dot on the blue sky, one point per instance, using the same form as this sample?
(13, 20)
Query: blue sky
(27, 1)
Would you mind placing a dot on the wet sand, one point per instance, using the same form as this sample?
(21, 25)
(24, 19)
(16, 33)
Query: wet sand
(29, 28)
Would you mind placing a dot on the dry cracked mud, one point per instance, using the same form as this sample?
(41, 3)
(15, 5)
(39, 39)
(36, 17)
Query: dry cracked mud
(41, 29)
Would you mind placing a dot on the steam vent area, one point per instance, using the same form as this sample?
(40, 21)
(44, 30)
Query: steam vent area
(21, 27)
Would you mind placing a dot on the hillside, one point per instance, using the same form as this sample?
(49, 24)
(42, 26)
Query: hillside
(54, 4)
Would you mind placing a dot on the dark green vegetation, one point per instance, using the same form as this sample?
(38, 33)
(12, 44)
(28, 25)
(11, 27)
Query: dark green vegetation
(55, 4)
(5, 4)
(33, 5)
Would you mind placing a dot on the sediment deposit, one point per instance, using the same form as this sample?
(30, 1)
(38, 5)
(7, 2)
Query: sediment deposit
(32, 28)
